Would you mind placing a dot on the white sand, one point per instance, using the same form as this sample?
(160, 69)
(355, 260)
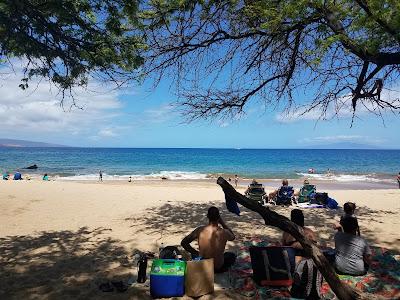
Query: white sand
(60, 239)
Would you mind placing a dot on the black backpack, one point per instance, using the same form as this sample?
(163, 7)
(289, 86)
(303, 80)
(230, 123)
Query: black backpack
(169, 252)
(320, 198)
(307, 281)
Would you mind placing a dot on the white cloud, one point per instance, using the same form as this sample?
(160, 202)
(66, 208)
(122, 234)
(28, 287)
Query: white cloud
(341, 109)
(223, 124)
(341, 139)
(38, 110)
(106, 132)
(294, 116)
(160, 114)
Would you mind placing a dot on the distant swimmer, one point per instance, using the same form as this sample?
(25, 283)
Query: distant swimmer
(311, 171)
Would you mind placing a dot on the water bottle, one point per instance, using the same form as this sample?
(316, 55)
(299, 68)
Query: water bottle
(142, 269)
(160, 249)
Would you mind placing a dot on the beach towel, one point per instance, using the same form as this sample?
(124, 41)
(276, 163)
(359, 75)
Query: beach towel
(232, 206)
(308, 205)
(383, 278)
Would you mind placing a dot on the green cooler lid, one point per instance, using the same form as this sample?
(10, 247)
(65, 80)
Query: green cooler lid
(165, 267)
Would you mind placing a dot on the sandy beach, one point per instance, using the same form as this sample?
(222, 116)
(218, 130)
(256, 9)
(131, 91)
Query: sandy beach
(59, 240)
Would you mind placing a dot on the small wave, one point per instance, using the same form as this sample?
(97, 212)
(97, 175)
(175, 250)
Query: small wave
(171, 175)
(343, 177)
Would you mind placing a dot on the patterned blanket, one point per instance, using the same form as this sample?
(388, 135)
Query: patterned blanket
(382, 279)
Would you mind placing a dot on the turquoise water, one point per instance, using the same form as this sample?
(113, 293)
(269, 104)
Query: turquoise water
(85, 163)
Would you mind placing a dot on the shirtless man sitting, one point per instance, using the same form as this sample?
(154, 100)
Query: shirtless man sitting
(212, 239)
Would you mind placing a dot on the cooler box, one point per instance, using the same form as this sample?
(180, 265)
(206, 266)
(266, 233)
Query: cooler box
(167, 278)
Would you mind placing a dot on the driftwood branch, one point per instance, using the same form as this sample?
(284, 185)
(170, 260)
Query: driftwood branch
(342, 291)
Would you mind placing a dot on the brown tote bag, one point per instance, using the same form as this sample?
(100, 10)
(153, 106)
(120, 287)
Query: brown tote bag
(199, 278)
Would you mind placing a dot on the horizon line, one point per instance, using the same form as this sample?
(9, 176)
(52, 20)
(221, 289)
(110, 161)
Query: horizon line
(211, 148)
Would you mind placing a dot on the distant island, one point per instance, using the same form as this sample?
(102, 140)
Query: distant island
(23, 143)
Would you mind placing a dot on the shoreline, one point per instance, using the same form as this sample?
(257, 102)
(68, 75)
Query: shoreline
(269, 183)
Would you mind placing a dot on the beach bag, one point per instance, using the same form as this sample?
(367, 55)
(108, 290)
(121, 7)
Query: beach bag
(320, 198)
(199, 279)
(273, 266)
(331, 203)
(285, 195)
(169, 252)
(307, 281)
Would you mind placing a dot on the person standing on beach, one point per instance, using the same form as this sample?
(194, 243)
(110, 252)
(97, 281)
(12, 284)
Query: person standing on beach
(100, 175)
(398, 179)
(237, 180)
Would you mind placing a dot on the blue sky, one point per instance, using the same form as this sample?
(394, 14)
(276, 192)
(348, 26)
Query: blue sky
(138, 117)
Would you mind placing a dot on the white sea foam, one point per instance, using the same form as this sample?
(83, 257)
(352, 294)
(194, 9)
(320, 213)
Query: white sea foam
(171, 175)
(343, 177)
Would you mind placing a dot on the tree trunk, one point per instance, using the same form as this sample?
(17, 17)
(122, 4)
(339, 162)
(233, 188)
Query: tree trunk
(342, 291)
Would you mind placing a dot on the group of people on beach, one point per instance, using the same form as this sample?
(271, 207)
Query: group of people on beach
(352, 252)
(18, 176)
(351, 256)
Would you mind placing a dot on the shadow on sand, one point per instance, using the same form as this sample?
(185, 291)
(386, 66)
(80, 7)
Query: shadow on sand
(62, 265)
(71, 264)
(181, 219)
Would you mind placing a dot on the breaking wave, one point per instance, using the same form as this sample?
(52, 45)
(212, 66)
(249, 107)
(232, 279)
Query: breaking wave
(171, 175)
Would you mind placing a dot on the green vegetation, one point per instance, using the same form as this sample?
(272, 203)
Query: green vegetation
(225, 53)
(221, 54)
(68, 41)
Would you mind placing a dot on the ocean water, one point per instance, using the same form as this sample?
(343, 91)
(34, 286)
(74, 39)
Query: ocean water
(142, 163)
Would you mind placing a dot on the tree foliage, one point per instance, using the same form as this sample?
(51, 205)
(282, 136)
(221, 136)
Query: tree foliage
(222, 54)
(68, 41)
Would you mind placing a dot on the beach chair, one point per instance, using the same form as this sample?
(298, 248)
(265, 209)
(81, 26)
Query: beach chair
(284, 196)
(17, 176)
(306, 193)
(256, 192)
